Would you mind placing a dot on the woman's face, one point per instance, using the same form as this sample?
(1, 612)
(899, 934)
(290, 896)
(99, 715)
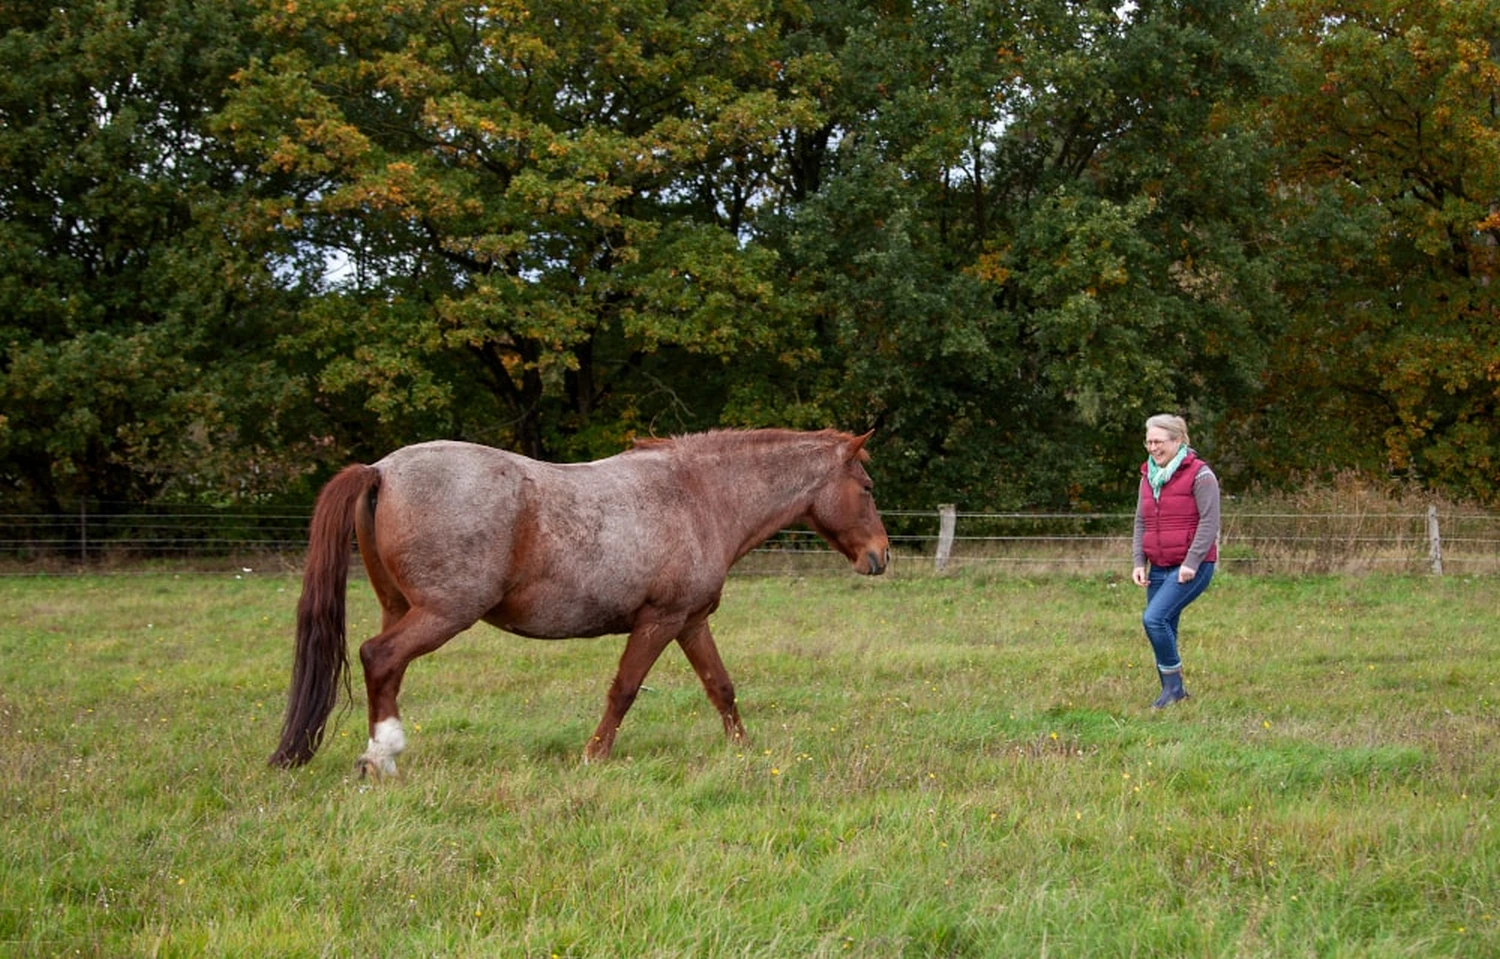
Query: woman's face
(1160, 446)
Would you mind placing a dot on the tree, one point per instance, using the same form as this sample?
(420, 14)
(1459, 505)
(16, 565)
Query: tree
(1039, 226)
(1389, 191)
(547, 209)
(1001, 233)
(132, 318)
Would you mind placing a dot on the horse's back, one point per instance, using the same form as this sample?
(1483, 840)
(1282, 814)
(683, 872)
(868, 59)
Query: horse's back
(450, 468)
(465, 486)
(458, 488)
(539, 548)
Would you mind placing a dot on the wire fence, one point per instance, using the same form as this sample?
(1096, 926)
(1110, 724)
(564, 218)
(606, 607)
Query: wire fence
(1451, 541)
(1457, 542)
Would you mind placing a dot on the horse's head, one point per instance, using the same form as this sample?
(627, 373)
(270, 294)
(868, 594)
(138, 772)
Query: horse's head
(844, 513)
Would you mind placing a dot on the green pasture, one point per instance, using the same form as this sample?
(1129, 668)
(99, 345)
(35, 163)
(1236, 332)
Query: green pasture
(959, 766)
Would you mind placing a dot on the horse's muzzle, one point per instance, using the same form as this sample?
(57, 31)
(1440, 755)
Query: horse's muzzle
(875, 563)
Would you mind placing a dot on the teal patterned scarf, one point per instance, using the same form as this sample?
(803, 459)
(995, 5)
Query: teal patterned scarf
(1157, 476)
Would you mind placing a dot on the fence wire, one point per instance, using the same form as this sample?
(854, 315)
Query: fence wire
(1454, 542)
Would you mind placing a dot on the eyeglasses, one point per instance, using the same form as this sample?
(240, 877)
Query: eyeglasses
(1150, 443)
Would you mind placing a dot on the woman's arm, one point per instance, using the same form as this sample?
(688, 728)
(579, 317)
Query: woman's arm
(1206, 495)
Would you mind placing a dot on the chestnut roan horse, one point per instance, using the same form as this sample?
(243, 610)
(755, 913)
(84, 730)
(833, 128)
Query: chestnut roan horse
(639, 543)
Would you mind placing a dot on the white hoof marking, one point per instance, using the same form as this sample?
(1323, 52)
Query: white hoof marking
(387, 742)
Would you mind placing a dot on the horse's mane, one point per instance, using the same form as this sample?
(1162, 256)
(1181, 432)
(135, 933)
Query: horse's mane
(721, 440)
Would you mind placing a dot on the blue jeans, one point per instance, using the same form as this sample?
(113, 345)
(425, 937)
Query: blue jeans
(1165, 600)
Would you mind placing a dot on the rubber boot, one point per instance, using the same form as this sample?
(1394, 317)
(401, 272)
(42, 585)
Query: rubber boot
(1171, 689)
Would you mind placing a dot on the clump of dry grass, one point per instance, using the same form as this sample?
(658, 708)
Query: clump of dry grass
(1351, 524)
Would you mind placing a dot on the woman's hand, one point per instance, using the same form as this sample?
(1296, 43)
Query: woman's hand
(1139, 577)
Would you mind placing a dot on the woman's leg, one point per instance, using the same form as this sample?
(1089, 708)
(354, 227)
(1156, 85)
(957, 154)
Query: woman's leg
(1166, 598)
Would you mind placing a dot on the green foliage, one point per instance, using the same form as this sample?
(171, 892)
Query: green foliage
(133, 320)
(917, 219)
(1392, 170)
(547, 200)
(1016, 254)
(243, 243)
(957, 766)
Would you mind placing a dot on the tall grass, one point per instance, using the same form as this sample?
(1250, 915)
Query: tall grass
(958, 766)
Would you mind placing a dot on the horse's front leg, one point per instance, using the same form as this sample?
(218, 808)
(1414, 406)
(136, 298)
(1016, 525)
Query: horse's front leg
(385, 658)
(699, 646)
(643, 647)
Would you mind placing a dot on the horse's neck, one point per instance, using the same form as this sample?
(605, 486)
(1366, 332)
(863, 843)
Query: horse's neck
(760, 493)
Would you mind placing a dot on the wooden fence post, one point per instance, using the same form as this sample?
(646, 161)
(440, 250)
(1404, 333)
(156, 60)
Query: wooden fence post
(947, 523)
(1435, 540)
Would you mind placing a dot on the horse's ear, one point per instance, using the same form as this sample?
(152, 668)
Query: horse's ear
(858, 443)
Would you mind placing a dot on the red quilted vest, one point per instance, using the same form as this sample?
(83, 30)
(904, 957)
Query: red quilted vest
(1172, 519)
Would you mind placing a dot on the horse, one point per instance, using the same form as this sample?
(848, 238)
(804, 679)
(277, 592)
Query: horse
(451, 533)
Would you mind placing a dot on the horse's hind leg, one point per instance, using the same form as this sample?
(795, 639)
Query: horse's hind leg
(393, 603)
(385, 658)
(704, 655)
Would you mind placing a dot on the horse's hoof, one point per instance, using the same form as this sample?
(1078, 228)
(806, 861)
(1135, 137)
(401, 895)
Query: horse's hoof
(371, 769)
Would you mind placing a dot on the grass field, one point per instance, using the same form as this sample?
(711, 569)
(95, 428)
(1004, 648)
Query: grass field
(960, 766)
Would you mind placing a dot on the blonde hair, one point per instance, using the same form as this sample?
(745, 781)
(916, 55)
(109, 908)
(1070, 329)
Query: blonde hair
(1175, 426)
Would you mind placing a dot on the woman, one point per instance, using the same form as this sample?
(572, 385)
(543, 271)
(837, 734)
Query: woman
(1176, 541)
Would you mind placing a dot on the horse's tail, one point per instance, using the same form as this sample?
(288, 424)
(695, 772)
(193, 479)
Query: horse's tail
(322, 657)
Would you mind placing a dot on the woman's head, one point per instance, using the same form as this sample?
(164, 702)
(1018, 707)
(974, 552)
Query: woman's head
(1165, 435)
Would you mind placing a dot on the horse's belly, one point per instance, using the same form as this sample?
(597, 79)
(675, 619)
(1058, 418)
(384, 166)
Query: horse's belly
(558, 620)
